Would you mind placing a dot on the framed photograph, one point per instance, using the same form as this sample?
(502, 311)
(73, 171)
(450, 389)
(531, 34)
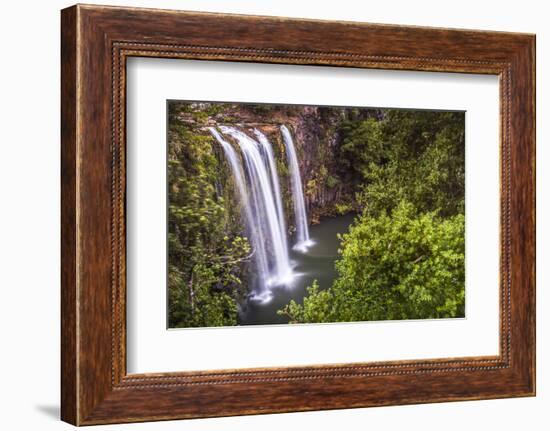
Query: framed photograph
(264, 215)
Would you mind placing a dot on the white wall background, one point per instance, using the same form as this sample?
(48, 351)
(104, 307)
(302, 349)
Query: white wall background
(29, 215)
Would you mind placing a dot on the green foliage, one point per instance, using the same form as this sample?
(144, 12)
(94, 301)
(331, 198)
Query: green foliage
(362, 147)
(406, 265)
(343, 208)
(317, 307)
(262, 109)
(207, 255)
(333, 181)
(416, 156)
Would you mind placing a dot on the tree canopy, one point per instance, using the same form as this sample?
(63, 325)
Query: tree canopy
(403, 257)
(405, 265)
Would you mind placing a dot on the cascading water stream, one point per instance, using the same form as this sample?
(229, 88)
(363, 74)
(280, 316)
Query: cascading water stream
(256, 235)
(264, 198)
(268, 151)
(257, 182)
(303, 241)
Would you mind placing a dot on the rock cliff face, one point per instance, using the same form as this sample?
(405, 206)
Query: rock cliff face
(317, 138)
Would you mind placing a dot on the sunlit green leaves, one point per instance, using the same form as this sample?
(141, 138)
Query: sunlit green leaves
(406, 265)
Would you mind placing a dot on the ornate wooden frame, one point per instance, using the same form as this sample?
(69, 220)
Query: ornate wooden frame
(95, 43)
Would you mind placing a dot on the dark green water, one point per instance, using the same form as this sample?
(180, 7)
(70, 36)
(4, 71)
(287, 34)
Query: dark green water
(316, 263)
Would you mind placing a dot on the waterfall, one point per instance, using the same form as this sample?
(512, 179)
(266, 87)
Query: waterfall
(255, 234)
(303, 242)
(268, 152)
(265, 205)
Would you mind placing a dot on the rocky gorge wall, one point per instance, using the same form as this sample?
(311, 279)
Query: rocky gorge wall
(317, 138)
